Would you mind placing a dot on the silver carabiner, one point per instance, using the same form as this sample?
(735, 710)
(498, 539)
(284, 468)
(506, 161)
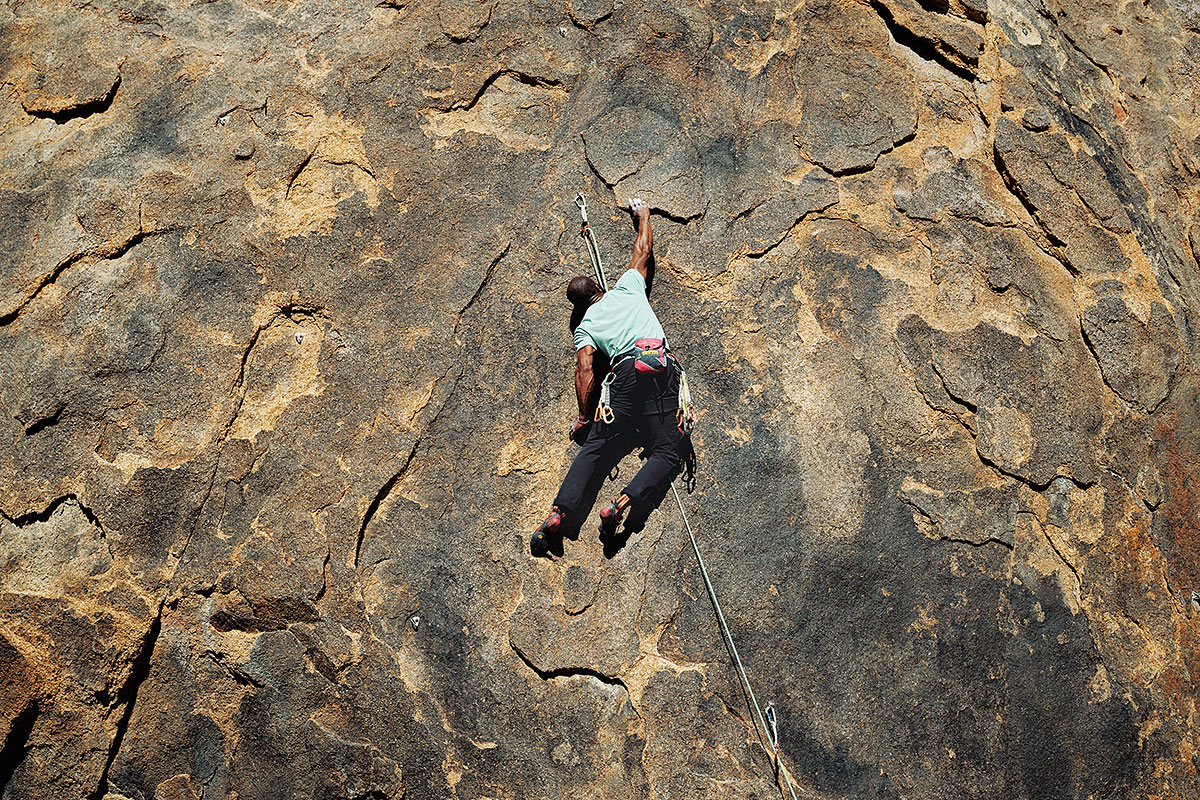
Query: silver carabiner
(581, 204)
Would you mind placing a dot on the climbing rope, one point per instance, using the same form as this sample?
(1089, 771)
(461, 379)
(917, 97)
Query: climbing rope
(767, 727)
(770, 731)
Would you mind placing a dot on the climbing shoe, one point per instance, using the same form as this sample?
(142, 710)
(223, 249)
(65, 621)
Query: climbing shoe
(610, 518)
(539, 545)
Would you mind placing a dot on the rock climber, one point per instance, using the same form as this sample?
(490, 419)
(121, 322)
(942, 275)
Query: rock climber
(636, 404)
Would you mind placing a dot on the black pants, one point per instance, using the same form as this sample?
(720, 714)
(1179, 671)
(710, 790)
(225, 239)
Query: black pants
(644, 406)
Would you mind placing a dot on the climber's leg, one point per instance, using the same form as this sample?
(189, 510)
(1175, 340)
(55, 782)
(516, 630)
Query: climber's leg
(606, 445)
(663, 445)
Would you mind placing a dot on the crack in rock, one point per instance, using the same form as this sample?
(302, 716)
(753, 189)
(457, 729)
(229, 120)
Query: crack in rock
(239, 675)
(108, 251)
(127, 696)
(64, 112)
(521, 77)
(570, 672)
(862, 169)
(380, 496)
(31, 517)
(959, 61)
(51, 420)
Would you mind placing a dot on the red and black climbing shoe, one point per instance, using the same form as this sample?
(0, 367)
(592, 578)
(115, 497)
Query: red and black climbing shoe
(610, 518)
(546, 533)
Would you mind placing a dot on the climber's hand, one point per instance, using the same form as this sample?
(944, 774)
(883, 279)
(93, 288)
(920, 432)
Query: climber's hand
(640, 211)
(578, 431)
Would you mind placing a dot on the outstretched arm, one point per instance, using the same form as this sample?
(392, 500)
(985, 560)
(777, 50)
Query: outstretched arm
(643, 245)
(585, 387)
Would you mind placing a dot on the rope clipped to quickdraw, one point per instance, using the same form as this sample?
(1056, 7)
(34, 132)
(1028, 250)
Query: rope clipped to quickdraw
(589, 241)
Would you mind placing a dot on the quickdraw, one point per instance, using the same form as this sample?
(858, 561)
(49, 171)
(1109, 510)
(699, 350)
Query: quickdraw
(604, 412)
(589, 241)
(685, 416)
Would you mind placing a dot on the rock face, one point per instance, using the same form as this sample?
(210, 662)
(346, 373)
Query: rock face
(285, 373)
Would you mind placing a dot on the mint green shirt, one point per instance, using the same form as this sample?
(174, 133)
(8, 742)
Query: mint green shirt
(620, 318)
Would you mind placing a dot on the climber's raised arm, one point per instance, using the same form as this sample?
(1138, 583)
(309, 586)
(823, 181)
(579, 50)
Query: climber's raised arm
(643, 245)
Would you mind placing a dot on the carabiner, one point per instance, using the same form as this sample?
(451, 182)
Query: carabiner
(774, 723)
(581, 204)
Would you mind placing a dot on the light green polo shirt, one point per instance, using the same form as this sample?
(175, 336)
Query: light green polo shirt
(614, 322)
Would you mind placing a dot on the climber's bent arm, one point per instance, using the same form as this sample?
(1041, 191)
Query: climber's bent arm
(585, 381)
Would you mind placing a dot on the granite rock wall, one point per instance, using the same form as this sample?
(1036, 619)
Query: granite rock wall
(285, 375)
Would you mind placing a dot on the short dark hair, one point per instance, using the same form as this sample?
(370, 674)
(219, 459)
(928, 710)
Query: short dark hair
(581, 290)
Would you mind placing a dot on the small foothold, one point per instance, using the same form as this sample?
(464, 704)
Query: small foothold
(562, 32)
(1036, 119)
(299, 337)
(415, 621)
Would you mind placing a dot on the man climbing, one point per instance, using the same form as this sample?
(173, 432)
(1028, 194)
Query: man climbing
(637, 403)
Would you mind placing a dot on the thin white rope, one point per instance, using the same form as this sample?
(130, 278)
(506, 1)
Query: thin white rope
(765, 729)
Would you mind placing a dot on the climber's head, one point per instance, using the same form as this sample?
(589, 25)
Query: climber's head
(582, 291)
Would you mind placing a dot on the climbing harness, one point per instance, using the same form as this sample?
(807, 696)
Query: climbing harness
(767, 725)
(685, 414)
(649, 356)
(589, 241)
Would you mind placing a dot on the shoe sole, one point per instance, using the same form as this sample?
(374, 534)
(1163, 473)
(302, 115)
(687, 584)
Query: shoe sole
(539, 545)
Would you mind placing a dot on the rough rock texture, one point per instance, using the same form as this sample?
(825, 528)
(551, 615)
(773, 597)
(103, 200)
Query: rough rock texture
(284, 374)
